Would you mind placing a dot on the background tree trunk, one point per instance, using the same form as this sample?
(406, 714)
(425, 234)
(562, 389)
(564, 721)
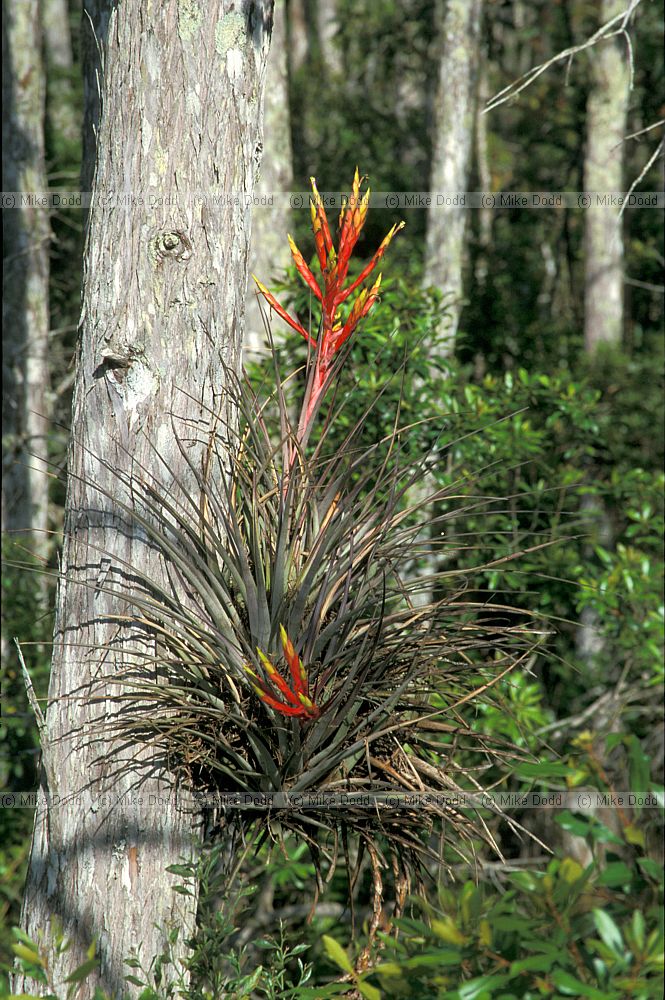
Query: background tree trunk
(25, 311)
(607, 108)
(270, 223)
(164, 288)
(296, 31)
(59, 60)
(453, 140)
(485, 212)
(327, 18)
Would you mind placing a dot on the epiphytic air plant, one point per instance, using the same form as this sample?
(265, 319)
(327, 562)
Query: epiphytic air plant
(294, 656)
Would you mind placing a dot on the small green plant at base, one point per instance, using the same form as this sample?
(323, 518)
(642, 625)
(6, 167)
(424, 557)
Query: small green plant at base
(35, 961)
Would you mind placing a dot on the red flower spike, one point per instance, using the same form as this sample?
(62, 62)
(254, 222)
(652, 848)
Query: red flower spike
(296, 703)
(352, 225)
(288, 710)
(330, 292)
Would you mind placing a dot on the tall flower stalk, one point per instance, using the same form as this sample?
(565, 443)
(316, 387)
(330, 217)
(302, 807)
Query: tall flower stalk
(331, 292)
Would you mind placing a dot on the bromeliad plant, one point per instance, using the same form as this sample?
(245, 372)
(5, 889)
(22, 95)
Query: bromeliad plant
(307, 559)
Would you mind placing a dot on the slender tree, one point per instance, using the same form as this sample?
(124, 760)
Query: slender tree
(60, 62)
(327, 20)
(296, 31)
(453, 142)
(607, 109)
(25, 312)
(606, 116)
(178, 143)
(485, 213)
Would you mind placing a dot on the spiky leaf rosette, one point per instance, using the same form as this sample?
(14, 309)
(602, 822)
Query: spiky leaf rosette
(290, 587)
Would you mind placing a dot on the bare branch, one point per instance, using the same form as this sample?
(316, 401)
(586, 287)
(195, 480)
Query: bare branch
(602, 34)
(643, 172)
(642, 131)
(30, 691)
(648, 285)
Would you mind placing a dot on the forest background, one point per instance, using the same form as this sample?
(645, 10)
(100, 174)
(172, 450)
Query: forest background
(549, 397)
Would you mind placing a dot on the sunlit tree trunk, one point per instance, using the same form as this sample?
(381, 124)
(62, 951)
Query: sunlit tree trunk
(607, 108)
(270, 222)
(453, 142)
(165, 272)
(25, 313)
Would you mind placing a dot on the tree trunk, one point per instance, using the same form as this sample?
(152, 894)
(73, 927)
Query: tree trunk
(165, 274)
(327, 20)
(25, 314)
(58, 49)
(296, 31)
(453, 140)
(270, 222)
(607, 108)
(485, 212)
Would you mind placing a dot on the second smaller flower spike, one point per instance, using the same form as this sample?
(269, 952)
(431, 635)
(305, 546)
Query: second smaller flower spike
(295, 701)
(295, 664)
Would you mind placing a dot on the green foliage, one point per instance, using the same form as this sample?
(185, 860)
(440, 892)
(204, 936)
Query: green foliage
(562, 931)
(23, 615)
(216, 969)
(270, 967)
(36, 960)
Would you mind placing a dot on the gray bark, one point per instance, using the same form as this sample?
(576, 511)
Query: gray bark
(25, 313)
(607, 108)
(163, 302)
(270, 254)
(453, 141)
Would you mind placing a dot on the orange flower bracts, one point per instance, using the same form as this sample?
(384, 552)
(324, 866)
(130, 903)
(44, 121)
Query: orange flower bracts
(295, 700)
(334, 265)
